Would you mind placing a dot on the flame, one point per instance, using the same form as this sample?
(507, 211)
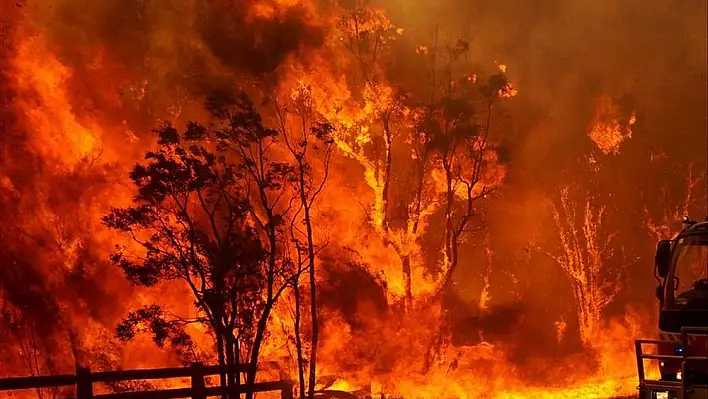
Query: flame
(609, 130)
(379, 348)
(60, 135)
(585, 252)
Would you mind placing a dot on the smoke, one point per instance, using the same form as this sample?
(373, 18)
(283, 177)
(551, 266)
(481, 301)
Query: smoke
(127, 63)
(185, 48)
(649, 57)
(83, 82)
(562, 54)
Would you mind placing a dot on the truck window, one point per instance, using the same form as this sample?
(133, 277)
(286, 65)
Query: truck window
(691, 261)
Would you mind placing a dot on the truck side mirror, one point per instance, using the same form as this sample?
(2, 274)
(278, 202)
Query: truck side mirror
(663, 257)
(659, 292)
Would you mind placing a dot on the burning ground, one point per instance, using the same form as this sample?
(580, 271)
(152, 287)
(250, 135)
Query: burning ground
(585, 122)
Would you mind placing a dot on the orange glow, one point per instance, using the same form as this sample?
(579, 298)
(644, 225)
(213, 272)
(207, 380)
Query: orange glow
(59, 134)
(608, 130)
(388, 329)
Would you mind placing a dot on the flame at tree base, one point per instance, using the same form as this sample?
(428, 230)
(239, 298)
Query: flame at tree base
(604, 367)
(499, 380)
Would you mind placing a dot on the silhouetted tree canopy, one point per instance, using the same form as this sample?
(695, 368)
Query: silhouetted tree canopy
(213, 210)
(207, 213)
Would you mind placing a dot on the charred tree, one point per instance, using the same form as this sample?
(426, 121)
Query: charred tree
(208, 213)
(458, 128)
(305, 136)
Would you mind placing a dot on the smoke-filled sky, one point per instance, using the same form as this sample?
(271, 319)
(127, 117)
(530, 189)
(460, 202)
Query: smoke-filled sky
(562, 55)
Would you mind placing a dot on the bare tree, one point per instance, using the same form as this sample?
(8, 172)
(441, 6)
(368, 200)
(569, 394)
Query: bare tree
(32, 348)
(585, 256)
(461, 146)
(305, 135)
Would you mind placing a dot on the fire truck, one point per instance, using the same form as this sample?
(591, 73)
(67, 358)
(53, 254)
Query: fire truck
(681, 348)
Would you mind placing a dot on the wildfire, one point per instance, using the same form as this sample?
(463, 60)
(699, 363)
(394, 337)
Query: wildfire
(395, 229)
(59, 132)
(611, 126)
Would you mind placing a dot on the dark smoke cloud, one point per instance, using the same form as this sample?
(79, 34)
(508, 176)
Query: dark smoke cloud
(564, 53)
(257, 45)
(176, 45)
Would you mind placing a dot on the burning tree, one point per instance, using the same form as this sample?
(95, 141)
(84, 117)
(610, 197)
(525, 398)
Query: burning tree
(665, 228)
(612, 124)
(210, 212)
(463, 151)
(305, 136)
(585, 257)
(463, 161)
(368, 35)
(18, 327)
(444, 134)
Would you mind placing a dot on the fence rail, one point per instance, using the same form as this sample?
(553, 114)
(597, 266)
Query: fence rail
(84, 380)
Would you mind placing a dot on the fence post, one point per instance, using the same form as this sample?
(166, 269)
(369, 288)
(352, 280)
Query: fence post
(287, 390)
(84, 385)
(198, 387)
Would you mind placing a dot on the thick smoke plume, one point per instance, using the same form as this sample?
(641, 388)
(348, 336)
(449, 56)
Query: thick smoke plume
(649, 57)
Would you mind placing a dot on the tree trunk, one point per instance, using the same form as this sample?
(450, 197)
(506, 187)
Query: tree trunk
(449, 228)
(388, 140)
(413, 220)
(255, 350)
(408, 281)
(298, 339)
(435, 344)
(263, 320)
(222, 362)
(451, 238)
(313, 284)
(313, 306)
(237, 356)
(230, 363)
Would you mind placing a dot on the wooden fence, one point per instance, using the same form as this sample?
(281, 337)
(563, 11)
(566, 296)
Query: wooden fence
(84, 380)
